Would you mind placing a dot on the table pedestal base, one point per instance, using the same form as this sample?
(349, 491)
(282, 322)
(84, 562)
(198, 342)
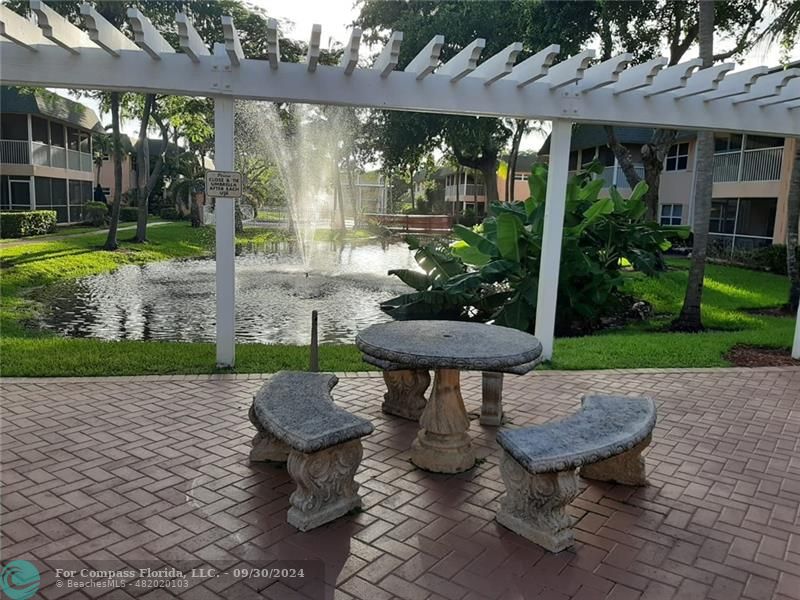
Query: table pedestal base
(443, 444)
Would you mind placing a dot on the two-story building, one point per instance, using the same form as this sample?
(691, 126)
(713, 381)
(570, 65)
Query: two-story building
(751, 180)
(46, 158)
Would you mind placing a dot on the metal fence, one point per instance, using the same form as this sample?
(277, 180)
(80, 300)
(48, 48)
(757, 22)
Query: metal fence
(14, 152)
(763, 164)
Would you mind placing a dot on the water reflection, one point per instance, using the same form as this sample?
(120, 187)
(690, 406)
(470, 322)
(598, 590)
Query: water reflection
(174, 300)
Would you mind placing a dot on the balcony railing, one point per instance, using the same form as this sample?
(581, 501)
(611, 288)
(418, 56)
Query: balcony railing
(749, 165)
(614, 175)
(465, 191)
(15, 152)
(19, 152)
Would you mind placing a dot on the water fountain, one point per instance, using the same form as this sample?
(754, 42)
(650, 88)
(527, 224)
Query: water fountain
(302, 141)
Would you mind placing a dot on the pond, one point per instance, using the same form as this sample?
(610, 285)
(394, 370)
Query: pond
(174, 300)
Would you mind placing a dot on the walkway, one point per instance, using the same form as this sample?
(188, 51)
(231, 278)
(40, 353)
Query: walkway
(136, 471)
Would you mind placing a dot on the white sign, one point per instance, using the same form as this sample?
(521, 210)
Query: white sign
(223, 184)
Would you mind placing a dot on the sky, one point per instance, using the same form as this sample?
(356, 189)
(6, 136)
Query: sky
(336, 16)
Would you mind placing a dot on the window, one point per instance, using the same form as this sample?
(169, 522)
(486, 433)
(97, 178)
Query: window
(757, 142)
(521, 176)
(677, 157)
(14, 127)
(723, 216)
(40, 132)
(671, 214)
(57, 134)
(74, 138)
(727, 142)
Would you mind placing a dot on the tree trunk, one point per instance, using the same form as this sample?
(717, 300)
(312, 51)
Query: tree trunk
(512, 159)
(792, 225)
(111, 239)
(196, 208)
(489, 171)
(353, 201)
(690, 318)
(143, 170)
(340, 195)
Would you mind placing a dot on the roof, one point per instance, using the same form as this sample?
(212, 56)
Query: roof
(48, 104)
(589, 136)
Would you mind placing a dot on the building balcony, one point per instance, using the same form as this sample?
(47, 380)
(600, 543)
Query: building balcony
(466, 192)
(763, 164)
(21, 152)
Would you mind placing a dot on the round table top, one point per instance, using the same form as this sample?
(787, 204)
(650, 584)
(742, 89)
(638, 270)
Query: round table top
(450, 345)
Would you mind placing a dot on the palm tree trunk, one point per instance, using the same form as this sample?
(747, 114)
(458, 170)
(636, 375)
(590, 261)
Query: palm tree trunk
(111, 239)
(792, 225)
(690, 318)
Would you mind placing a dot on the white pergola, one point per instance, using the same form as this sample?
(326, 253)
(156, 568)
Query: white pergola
(49, 51)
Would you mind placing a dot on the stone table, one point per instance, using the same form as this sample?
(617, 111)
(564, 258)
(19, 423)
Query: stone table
(449, 347)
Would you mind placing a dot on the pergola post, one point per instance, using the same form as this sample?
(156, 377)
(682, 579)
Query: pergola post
(796, 344)
(558, 172)
(225, 242)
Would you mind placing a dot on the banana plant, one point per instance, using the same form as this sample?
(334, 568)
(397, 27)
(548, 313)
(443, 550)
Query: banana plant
(490, 272)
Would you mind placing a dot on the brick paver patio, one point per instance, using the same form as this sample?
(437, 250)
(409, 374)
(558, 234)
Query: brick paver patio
(135, 472)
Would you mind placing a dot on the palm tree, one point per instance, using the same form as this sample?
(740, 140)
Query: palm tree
(190, 185)
(689, 318)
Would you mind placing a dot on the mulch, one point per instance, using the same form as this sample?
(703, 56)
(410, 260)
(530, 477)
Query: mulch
(758, 356)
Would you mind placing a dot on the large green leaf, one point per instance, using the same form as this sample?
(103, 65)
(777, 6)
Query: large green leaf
(603, 206)
(415, 279)
(500, 270)
(469, 254)
(537, 183)
(516, 313)
(509, 229)
(484, 245)
(439, 265)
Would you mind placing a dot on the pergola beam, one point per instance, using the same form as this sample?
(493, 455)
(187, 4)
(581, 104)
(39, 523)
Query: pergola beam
(535, 67)
(57, 29)
(19, 30)
(607, 72)
(233, 47)
(135, 71)
(388, 58)
(570, 70)
(313, 48)
(273, 43)
(639, 76)
(672, 78)
(499, 65)
(147, 36)
(705, 81)
(427, 60)
(463, 63)
(103, 33)
(190, 41)
(349, 58)
(768, 86)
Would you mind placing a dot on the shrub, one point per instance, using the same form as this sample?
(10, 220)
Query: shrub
(170, 213)
(128, 213)
(22, 224)
(491, 272)
(95, 213)
(767, 258)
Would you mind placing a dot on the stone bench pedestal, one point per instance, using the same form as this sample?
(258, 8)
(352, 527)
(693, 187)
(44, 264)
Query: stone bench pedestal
(405, 393)
(534, 504)
(326, 488)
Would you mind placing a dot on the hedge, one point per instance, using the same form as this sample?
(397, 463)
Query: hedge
(129, 213)
(95, 213)
(23, 224)
(768, 258)
(170, 213)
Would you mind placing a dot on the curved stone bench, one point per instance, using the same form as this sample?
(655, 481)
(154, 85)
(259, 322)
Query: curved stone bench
(604, 439)
(298, 422)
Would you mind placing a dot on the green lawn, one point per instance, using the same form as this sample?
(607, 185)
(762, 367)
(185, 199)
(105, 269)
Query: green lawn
(729, 291)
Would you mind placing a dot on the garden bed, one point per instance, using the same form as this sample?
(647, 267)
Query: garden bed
(758, 356)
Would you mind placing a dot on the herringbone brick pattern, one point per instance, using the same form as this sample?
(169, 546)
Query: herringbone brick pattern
(141, 471)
